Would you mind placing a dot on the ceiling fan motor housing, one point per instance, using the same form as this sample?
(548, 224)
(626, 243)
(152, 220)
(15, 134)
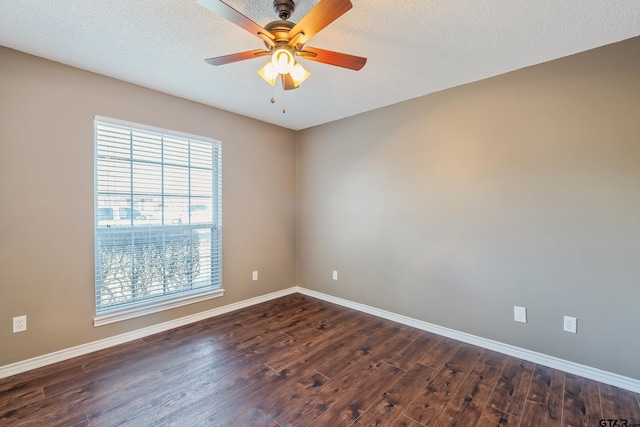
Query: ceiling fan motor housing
(284, 8)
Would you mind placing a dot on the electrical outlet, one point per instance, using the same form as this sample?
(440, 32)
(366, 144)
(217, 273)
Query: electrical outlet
(519, 314)
(255, 275)
(19, 324)
(570, 324)
(335, 275)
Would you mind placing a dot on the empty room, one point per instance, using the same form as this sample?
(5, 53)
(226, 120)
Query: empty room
(319, 213)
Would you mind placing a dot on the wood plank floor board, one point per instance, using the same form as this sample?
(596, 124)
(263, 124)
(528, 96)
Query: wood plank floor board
(41, 376)
(354, 363)
(47, 413)
(395, 399)
(581, 404)
(544, 401)
(219, 396)
(199, 360)
(103, 381)
(262, 407)
(410, 355)
(174, 388)
(318, 349)
(493, 358)
(342, 317)
(317, 320)
(127, 405)
(538, 415)
(302, 373)
(184, 335)
(619, 404)
(440, 354)
(546, 386)
(408, 332)
(464, 359)
(145, 363)
(286, 387)
(384, 342)
(247, 405)
(177, 394)
(284, 323)
(265, 338)
(313, 338)
(346, 410)
(493, 418)
(511, 391)
(268, 309)
(293, 395)
(286, 319)
(405, 421)
(430, 404)
(369, 324)
(299, 361)
(467, 405)
(120, 353)
(320, 399)
(20, 396)
(277, 355)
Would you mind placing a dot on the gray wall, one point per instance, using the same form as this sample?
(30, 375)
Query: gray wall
(46, 199)
(523, 189)
(518, 190)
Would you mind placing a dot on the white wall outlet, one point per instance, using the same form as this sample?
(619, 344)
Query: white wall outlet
(19, 324)
(570, 324)
(520, 314)
(335, 275)
(255, 275)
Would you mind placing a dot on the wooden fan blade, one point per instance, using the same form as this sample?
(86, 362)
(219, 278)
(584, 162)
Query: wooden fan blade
(221, 8)
(235, 57)
(323, 14)
(287, 82)
(330, 57)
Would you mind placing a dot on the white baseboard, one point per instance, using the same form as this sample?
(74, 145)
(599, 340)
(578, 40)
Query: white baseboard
(59, 356)
(521, 353)
(531, 356)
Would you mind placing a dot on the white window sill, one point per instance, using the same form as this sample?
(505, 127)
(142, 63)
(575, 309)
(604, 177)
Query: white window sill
(155, 307)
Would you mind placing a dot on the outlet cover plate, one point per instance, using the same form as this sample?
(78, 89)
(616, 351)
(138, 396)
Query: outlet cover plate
(520, 314)
(19, 324)
(255, 275)
(335, 275)
(570, 324)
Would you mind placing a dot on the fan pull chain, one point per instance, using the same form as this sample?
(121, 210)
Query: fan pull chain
(283, 101)
(273, 100)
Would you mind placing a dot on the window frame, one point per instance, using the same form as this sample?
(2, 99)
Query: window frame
(162, 301)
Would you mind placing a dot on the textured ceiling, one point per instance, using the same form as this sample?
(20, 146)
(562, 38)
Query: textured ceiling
(414, 47)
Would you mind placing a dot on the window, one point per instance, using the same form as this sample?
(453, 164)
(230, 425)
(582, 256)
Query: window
(158, 240)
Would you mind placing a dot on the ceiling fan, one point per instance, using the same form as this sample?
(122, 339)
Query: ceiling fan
(284, 40)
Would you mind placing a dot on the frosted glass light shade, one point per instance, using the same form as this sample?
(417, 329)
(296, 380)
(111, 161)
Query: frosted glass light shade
(282, 61)
(268, 73)
(299, 74)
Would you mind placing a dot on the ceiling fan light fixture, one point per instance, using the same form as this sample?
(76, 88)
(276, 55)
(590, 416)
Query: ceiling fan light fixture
(285, 39)
(299, 74)
(282, 60)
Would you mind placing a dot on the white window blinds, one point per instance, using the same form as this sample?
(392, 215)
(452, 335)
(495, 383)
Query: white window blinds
(157, 216)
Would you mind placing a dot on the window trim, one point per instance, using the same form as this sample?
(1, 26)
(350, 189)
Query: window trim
(158, 304)
(155, 307)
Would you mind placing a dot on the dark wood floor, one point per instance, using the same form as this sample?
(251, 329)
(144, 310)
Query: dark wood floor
(298, 361)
